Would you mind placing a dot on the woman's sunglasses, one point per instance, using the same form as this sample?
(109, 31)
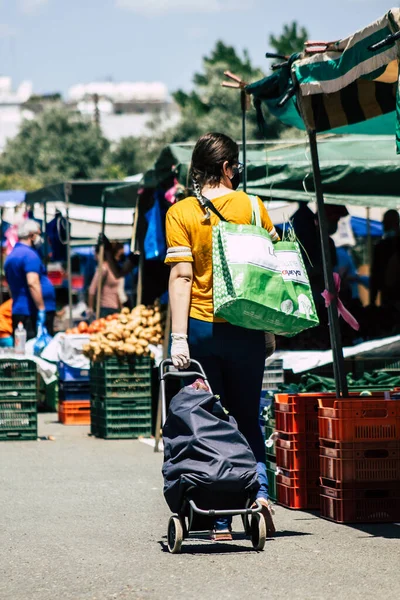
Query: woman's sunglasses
(238, 167)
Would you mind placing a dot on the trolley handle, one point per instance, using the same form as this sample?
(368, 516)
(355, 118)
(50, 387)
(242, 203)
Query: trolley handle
(163, 374)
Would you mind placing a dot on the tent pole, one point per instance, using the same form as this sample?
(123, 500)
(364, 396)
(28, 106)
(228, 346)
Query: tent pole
(67, 192)
(334, 328)
(101, 258)
(243, 103)
(1, 256)
(46, 240)
(160, 416)
(369, 242)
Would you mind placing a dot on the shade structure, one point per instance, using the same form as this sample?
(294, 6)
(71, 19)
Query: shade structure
(346, 83)
(355, 170)
(332, 85)
(118, 194)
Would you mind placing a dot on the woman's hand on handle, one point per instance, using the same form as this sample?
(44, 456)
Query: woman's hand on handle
(180, 354)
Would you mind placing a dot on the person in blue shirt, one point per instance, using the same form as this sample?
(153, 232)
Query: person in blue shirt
(34, 299)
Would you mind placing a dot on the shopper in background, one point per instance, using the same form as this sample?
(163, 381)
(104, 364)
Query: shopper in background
(233, 357)
(6, 327)
(115, 268)
(34, 299)
(385, 274)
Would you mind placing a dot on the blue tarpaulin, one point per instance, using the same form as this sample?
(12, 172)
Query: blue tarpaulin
(360, 228)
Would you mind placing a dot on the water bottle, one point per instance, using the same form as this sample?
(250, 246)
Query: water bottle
(20, 339)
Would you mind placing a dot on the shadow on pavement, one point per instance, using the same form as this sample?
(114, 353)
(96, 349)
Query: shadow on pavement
(389, 531)
(286, 533)
(208, 547)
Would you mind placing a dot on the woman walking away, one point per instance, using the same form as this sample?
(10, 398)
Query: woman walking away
(233, 357)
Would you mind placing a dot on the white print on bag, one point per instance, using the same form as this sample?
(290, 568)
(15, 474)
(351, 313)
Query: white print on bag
(287, 307)
(305, 306)
(259, 251)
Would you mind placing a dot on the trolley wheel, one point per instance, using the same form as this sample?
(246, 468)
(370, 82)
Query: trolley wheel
(175, 535)
(258, 531)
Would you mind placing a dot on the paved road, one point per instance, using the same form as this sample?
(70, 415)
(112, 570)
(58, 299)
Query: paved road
(84, 519)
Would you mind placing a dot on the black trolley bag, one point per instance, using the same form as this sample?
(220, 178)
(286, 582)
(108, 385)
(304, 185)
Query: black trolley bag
(207, 461)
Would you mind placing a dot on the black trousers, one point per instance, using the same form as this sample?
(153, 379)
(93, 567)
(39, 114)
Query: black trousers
(29, 323)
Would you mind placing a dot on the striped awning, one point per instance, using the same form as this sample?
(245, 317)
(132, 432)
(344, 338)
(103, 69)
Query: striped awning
(339, 83)
(347, 83)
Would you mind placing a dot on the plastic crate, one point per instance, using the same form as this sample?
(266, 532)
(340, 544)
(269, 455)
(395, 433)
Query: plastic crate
(297, 498)
(347, 462)
(298, 460)
(121, 418)
(74, 412)
(122, 379)
(18, 419)
(359, 420)
(78, 391)
(274, 374)
(298, 441)
(377, 503)
(268, 432)
(18, 379)
(67, 373)
(271, 473)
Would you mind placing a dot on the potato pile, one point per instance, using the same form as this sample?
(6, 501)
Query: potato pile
(128, 334)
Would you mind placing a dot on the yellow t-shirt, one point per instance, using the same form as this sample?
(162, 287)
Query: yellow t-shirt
(189, 239)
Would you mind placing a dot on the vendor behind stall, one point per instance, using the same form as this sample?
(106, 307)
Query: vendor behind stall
(34, 300)
(115, 267)
(6, 328)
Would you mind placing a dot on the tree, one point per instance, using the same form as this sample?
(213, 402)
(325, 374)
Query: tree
(291, 40)
(58, 145)
(131, 156)
(210, 107)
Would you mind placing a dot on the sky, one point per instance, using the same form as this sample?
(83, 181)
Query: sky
(58, 43)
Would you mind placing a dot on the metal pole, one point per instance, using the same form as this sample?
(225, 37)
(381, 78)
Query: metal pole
(243, 103)
(1, 256)
(101, 258)
(334, 329)
(369, 244)
(46, 240)
(160, 417)
(67, 193)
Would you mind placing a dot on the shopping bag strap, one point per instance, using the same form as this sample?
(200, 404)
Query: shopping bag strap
(211, 207)
(256, 217)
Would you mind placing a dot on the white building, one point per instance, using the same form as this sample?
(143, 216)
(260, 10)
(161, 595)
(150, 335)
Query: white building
(12, 111)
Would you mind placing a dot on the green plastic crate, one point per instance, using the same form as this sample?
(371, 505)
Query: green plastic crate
(18, 419)
(271, 473)
(122, 379)
(120, 418)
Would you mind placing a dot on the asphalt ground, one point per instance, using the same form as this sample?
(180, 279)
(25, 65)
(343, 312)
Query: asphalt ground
(85, 519)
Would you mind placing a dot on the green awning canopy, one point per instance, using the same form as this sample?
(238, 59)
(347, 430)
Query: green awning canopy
(356, 170)
(117, 194)
(339, 84)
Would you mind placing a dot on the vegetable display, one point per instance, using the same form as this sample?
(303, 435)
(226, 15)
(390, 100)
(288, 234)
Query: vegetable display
(126, 334)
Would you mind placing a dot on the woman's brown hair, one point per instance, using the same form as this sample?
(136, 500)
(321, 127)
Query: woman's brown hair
(209, 155)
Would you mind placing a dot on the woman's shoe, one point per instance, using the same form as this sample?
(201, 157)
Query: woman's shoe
(267, 511)
(221, 535)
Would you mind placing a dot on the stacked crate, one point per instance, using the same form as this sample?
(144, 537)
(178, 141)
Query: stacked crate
(360, 459)
(297, 450)
(74, 395)
(121, 398)
(18, 400)
(267, 423)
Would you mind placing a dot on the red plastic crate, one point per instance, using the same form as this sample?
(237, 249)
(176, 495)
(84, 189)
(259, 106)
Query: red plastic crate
(77, 282)
(56, 277)
(347, 462)
(298, 441)
(298, 489)
(356, 420)
(297, 460)
(74, 412)
(379, 502)
(292, 422)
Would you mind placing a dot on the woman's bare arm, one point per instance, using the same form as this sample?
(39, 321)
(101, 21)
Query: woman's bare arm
(180, 291)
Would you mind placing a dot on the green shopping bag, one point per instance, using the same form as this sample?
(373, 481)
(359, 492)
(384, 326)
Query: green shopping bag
(259, 284)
